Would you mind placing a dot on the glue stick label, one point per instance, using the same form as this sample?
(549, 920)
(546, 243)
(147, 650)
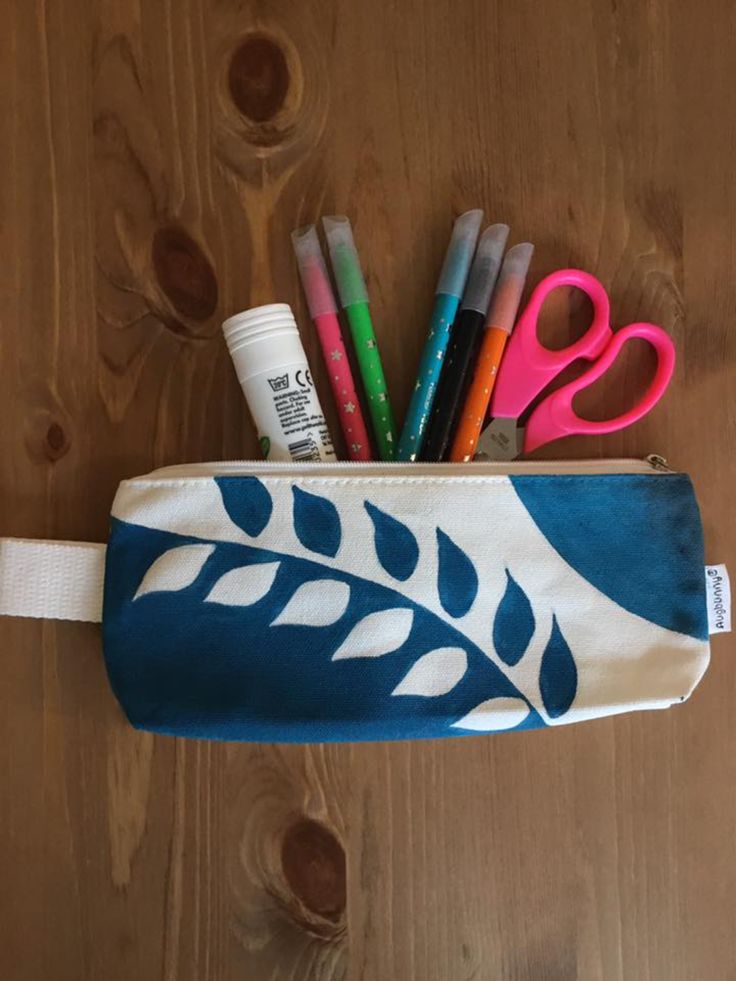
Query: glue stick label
(288, 416)
(273, 372)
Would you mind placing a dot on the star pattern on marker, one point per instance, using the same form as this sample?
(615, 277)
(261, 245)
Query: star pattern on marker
(356, 447)
(370, 344)
(349, 407)
(381, 396)
(439, 355)
(336, 355)
(389, 437)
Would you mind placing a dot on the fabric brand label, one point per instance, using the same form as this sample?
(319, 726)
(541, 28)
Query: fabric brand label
(718, 597)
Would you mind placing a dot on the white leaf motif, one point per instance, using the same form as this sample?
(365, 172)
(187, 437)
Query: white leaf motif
(175, 569)
(245, 585)
(434, 673)
(315, 604)
(376, 634)
(494, 714)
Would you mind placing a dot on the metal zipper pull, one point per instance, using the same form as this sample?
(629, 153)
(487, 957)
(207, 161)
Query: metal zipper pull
(658, 463)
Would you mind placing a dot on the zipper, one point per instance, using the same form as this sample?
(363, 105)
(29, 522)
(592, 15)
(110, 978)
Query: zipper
(653, 463)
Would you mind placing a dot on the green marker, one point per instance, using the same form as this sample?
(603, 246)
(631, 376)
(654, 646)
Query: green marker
(354, 299)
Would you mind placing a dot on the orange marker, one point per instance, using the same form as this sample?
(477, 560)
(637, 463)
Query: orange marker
(499, 324)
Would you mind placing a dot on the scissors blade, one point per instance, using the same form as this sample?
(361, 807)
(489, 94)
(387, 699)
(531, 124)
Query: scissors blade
(502, 440)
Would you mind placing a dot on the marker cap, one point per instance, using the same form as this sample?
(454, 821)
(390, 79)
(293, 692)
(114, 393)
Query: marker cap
(510, 286)
(345, 262)
(460, 253)
(313, 272)
(484, 271)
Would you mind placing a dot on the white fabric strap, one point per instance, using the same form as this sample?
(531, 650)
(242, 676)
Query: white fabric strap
(53, 580)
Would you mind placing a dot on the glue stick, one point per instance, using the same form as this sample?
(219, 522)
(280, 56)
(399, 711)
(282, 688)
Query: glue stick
(273, 372)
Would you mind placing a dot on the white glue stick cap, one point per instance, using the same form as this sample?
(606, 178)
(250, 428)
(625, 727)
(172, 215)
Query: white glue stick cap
(263, 337)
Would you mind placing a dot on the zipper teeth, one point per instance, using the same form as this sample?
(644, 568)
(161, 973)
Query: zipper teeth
(651, 464)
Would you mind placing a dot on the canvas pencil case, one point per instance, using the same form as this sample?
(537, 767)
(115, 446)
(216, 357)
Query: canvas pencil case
(319, 602)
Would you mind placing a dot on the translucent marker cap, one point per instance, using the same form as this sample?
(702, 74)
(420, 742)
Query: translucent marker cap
(345, 261)
(460, 253)
(484, 271)
(510, 286)
(313, 271)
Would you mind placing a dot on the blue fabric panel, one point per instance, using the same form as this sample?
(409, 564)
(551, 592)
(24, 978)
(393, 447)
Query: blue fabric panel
(637, 538)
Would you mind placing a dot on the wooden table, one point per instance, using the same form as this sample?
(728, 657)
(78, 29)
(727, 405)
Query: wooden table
(155, 157)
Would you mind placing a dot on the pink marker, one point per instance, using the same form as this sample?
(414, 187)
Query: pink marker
(323, 310)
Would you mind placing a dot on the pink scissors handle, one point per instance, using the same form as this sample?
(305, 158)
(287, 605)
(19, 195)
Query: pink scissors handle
(528, 367)
(554, 416)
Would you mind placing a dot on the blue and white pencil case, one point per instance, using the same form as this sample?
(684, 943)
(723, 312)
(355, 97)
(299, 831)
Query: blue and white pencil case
(315, 602)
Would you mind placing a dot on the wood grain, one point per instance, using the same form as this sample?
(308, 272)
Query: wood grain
(154, 158)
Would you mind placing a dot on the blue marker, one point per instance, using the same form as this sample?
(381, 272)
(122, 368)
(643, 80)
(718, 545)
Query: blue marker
(447, 299)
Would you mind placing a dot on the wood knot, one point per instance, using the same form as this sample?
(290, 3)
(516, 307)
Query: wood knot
(184, 273)
(259, 78)
(313, 862)
(264, 84)
(272, 95)
(56, 444)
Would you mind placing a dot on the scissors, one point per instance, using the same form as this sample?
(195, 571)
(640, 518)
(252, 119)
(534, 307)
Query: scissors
(528, 367)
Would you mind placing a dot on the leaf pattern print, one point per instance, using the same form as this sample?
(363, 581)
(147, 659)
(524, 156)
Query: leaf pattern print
(495, 715)
(247, 502)
(513, 626)
(377, 634)
(396, 546)
(244, 585)
(176, 569)
(558, 676)
(315, 604)
(316, 523)
(457, 580)
(435, 673)
(279, 643)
